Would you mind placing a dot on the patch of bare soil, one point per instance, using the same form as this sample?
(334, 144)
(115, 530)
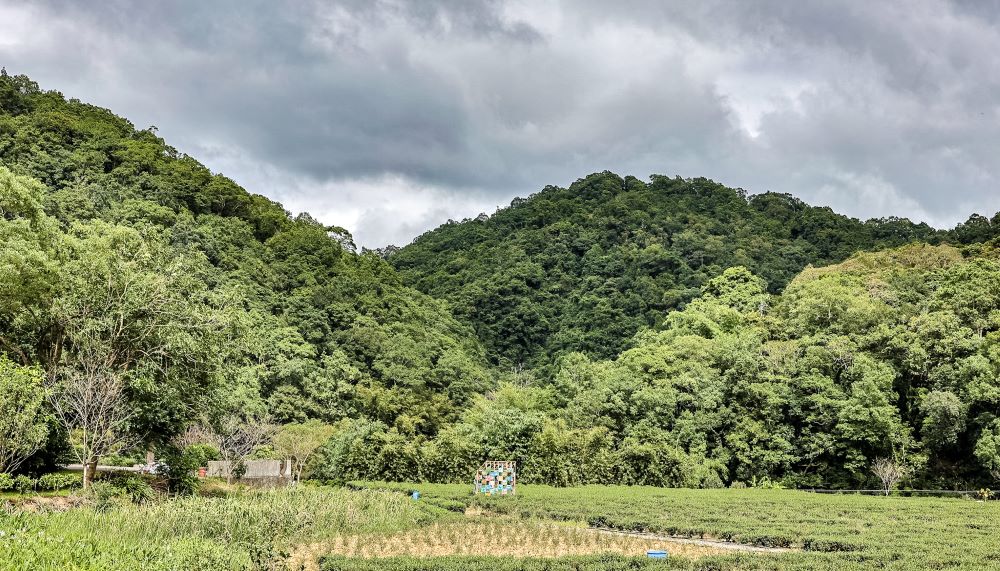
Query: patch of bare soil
(36, 504)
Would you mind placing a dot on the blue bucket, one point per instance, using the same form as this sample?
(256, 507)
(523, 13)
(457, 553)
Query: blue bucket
(655, 554)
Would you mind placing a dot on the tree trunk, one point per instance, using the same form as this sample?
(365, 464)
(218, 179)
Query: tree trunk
(89, 470)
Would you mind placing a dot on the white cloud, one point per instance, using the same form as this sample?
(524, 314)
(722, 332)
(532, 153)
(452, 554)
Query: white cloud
(866, 196)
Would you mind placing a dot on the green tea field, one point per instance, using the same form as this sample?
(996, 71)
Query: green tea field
(370, 526)
(823, 531)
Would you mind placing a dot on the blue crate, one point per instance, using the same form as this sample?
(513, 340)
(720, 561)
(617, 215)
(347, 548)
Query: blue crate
(657, 554)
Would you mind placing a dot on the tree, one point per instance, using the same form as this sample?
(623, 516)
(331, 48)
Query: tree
(22, 416)
(585, 268)
(237, 437)
(298, 441)
(28, 269)
(944, 419)
(889, 472)
(987, 449)
(126, 335)
(869, 423)
(130, 271)
(90, 402)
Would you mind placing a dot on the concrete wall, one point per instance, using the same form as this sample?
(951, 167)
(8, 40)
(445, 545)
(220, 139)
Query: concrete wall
(256, 469)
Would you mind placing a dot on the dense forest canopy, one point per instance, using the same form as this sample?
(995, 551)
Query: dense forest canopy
(675, 332)
(586, 267)
(262, 311)
(892, 354)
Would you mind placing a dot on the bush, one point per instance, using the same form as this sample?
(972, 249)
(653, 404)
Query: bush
(179, 467)
(203, 453)
(6, 482)
(24, 484)
(266, 452)
(59, 481)
(104, 494)
(366, 450)
(766, 483)
(127, 485)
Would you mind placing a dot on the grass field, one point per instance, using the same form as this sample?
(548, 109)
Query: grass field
(242, 531)
(542, 528)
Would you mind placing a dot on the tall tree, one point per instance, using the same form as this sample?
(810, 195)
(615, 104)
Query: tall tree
(123, 331)
(22, 414)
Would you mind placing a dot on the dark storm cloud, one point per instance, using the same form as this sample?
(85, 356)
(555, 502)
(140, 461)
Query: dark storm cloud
(389, 116)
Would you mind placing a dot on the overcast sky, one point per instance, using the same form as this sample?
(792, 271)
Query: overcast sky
(389, 117)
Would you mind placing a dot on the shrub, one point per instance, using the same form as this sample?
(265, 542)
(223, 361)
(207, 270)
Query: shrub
(23, 429)
(265, 452)
(138, 490)
(59, 481)
(203, 453)
(120, 460)
(766, 483)
(366, 450)
(24, 484)
(104, 494)
(179, 466)
(6, 482)
(127, 485)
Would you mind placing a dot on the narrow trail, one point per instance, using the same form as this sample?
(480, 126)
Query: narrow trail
(703, 542)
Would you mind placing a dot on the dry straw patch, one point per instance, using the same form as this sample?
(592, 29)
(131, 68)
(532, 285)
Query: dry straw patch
(493, 536)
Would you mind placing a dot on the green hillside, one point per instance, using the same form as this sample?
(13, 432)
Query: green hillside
(671, 333)
(261, 311)
(586, 267)
(894, 354)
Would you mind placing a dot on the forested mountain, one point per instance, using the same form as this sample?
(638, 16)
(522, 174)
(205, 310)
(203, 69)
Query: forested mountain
(115, 246)
(891, 354)
(894, 354)
(584, 268)
(675, 332)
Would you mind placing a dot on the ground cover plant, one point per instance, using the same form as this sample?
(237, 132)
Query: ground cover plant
(308, 528)
(833, 531)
